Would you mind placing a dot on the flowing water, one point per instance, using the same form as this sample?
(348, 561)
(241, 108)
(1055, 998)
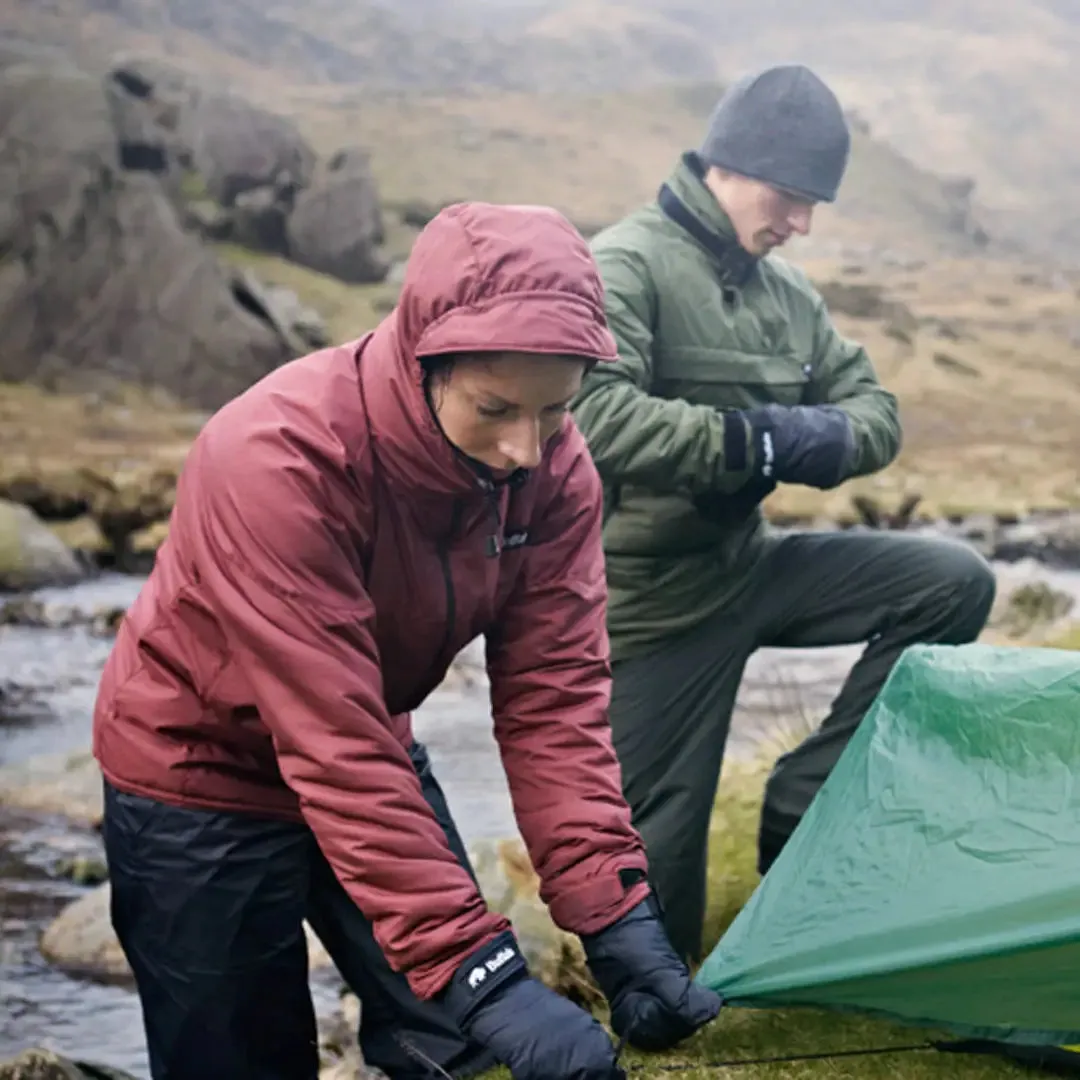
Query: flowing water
(58, 670)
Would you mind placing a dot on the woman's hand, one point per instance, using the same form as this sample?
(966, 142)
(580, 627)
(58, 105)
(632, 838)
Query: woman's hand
(654, 1003)
(537, 1033)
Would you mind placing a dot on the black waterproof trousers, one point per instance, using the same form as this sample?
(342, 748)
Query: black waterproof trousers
(209, 908)
(671, 707)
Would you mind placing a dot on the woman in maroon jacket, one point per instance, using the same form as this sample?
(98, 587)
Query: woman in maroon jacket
(342, 529)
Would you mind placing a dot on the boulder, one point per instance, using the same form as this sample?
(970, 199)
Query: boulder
(1053, 540)
(232, 145)
(144, 144)
(258, 220)
(167, 90)
(100, 275)
(336, 224)
(41, 1064)
(237, 146)
(31, 555)
(302, 327)
(81, 941)
(65, 784)
(15, 51)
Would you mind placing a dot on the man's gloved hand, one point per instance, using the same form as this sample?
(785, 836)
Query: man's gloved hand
(537, 1033)
(654, 1003)
(729, 510)
(802, 444)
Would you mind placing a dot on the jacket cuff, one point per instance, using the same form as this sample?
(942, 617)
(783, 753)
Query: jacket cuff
(427, 980)
(482, 975)
(595, 904)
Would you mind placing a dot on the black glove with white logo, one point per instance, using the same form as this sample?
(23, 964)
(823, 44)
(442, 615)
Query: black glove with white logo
(802, 444)
(535, 1032)
(654, 1002)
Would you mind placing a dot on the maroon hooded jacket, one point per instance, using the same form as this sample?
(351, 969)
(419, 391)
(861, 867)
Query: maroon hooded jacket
(330, 553)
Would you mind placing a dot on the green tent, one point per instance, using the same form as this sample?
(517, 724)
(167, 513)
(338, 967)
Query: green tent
(935, 879)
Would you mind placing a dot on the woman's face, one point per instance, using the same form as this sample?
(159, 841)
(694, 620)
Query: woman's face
(501, 408)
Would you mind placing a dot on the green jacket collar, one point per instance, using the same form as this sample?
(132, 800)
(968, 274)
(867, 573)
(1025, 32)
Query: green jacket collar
(707, 224)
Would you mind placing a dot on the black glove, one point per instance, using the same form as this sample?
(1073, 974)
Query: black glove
(654, 1003)
(724, 509)
(802, 444)
(535, 1032)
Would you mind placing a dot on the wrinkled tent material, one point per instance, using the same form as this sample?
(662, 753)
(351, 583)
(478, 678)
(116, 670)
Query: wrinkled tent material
(935, 879)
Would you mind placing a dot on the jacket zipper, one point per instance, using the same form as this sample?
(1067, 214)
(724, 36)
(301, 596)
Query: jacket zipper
(448, 580)
(493, 545)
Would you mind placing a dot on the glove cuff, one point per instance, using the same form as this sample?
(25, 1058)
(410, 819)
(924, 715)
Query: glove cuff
(759, 425)
(483, 975)
(739, 440)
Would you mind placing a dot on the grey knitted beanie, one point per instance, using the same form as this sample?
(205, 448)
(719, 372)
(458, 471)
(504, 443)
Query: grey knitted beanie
(784, 126)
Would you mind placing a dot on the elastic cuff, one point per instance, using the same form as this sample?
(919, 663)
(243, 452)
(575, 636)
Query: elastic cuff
(737, 436)
(484, 973)
(595, 905)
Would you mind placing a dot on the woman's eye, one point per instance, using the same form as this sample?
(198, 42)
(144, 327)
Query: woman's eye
(492, 412)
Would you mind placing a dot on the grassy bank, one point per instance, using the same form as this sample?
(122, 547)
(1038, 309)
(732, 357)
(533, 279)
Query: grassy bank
(980, 355)
(750, 1035)
(982, 359)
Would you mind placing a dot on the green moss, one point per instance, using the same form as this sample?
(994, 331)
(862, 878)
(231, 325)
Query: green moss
(349, 310)
(193, 187)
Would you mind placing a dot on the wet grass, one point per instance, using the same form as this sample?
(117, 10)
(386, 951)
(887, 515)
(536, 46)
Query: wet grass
(749, 1035)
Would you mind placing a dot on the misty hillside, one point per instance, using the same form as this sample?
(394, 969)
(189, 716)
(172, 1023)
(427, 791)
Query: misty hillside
(963, 88)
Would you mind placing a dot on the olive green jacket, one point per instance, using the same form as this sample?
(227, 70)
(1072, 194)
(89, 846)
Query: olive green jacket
(700, 332)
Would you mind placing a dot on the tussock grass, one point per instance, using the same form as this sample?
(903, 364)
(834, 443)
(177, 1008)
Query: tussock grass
(751, 1034)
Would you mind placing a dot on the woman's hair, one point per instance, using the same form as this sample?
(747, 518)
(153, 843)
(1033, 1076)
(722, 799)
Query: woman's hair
(438, 369)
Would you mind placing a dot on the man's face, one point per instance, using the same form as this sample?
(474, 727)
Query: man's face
(764, 217)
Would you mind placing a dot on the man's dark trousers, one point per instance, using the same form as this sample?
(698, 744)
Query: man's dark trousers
(671, 706)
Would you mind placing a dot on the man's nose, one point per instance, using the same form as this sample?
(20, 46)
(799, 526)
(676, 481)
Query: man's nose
(799, 218)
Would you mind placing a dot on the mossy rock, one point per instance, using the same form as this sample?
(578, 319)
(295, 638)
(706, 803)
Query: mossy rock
(31, 555)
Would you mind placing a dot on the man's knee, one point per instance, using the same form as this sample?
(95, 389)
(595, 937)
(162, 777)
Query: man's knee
(962, 585)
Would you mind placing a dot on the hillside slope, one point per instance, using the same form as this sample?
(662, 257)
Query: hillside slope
(962, 87)
(592, 153)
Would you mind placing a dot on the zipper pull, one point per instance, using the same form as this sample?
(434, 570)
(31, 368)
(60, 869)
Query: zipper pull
(494, 543)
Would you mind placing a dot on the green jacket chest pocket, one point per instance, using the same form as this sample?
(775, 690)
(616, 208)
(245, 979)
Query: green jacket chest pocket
(731, 379)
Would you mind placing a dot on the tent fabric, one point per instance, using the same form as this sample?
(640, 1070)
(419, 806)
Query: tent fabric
(935, 879)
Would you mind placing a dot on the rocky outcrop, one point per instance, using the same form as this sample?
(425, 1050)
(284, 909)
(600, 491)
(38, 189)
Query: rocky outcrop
(98, 274)
(257, 182)
(31, 555)
(237, 147)
(231, 144)
(336, 226)
(15, 51)
(109, 516)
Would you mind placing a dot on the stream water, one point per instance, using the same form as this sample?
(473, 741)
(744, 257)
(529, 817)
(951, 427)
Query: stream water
(58, 671)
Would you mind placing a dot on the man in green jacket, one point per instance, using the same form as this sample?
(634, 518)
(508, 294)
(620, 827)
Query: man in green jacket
(732, 378)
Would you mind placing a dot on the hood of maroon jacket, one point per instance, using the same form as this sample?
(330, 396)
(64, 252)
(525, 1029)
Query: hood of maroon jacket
(328, 556)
